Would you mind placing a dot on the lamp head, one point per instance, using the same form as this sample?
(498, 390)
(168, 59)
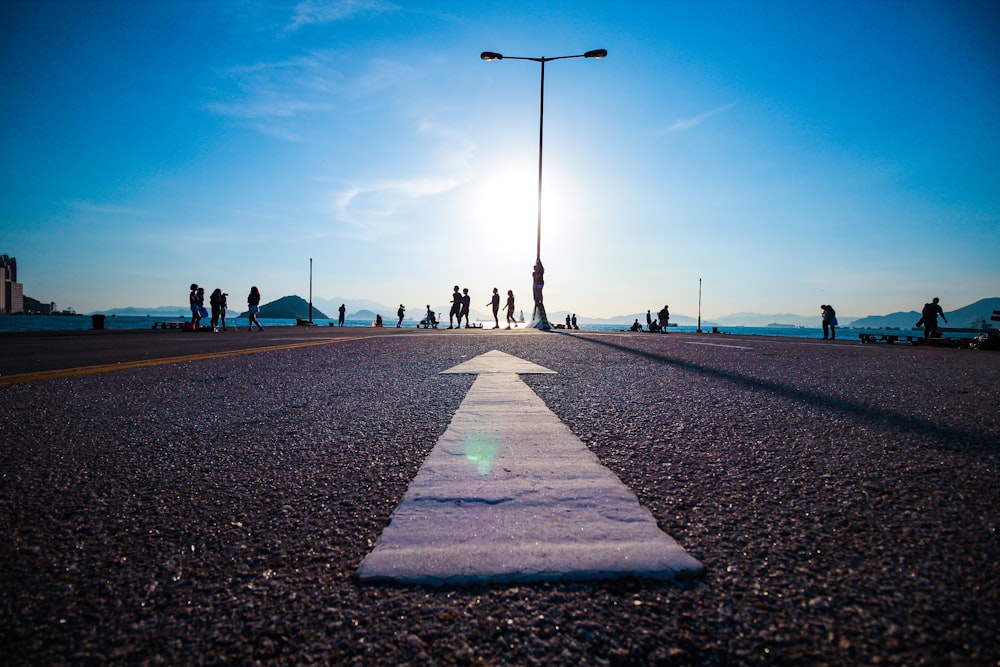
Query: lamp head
(596, 53)
(490, 55)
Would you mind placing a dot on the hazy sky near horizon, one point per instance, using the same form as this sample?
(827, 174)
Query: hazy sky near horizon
(786, 153)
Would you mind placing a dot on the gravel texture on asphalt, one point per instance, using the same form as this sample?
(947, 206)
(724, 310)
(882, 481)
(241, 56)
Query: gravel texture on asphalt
(843, 499)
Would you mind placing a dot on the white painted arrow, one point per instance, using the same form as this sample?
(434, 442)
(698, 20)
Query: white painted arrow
(510, 494)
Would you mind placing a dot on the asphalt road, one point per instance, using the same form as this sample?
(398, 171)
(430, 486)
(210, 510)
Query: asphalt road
(843, 499)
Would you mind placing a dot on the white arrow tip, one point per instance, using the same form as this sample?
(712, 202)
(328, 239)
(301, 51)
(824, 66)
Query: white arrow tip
(496, 361)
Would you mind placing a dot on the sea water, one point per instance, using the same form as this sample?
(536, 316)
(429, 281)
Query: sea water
(84, 322)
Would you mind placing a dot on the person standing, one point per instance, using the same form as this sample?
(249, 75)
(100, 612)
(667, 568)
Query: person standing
(466, 307)
(340, 315)
(538, 283)
(829, 322)
(399, 314)
(569, 322)
(495, 302)
(573, 321)
(253, 306)
(456, 308)
(649, 319)
(664, 316)
(929, 315)
(223, 307)
(215, 301)
(195, 310)
(510, 309)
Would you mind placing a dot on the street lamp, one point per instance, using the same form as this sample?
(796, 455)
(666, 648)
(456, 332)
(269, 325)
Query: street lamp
(539, 319)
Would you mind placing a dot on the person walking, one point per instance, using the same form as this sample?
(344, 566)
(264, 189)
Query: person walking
(464, 312)
(510, 309)
(399, 314)
(253, 306)
(928, 317)
(340, 315)
(456, 308)
(495, 302)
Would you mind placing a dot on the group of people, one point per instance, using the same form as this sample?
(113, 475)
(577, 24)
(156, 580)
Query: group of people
(929, 315)
(657, 325)
(461, 305)
(218, 302)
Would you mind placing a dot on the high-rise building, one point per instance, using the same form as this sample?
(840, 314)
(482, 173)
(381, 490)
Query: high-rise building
(11, 291)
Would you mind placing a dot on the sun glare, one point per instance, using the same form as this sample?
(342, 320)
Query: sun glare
(507, 210)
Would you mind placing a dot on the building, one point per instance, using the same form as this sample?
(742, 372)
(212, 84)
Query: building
(11, 291)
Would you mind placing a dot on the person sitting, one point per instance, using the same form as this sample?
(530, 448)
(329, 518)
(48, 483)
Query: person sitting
(636, 326)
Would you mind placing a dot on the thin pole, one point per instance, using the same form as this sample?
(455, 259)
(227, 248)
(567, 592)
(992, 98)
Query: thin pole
(699, 305)
(310, 289)
(541, 125)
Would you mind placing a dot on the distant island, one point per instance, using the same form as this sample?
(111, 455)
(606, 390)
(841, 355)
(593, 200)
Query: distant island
(288, 308)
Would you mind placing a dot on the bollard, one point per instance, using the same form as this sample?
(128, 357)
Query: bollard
(98, 321)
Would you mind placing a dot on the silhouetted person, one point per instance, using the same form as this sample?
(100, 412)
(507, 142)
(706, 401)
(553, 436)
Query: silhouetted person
(538, 282)
(215, 301)
(223, 307)
(573, 321)
(829, 322)
(253, 306)
(510, 309)
(929, 315)
(635, 326)
(495, 302)
(664, 316)
(456, 308)
(195, 310)
(400, 313)
(340, 315)
(464, 312)
(569, 323)
(649, 318)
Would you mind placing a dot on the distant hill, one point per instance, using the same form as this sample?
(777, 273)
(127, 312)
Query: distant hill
(965, 317)
(288, 308)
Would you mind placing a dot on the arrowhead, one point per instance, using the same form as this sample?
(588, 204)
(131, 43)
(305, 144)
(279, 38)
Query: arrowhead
(497, 362)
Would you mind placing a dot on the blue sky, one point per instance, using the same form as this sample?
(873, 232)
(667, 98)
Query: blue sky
(786, 153)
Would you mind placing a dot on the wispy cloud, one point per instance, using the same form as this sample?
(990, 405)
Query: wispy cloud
(282, 89)
(688, 123)
(310, 12)
(371, 208)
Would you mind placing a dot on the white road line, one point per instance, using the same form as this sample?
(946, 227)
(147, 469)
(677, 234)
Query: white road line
(510, 494)
(735, 347)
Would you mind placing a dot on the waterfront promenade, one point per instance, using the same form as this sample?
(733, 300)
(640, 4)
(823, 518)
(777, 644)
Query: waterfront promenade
(175, 498)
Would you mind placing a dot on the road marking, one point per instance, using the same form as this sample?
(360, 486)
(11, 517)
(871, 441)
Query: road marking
(144, 363)
(508, 493)
(736, 347)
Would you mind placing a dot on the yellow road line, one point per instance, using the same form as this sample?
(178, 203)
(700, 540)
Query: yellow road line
(126, 365)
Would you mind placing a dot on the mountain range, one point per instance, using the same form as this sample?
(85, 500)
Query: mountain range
(290, 307)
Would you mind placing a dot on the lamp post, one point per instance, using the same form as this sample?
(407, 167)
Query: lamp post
(539, 319)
